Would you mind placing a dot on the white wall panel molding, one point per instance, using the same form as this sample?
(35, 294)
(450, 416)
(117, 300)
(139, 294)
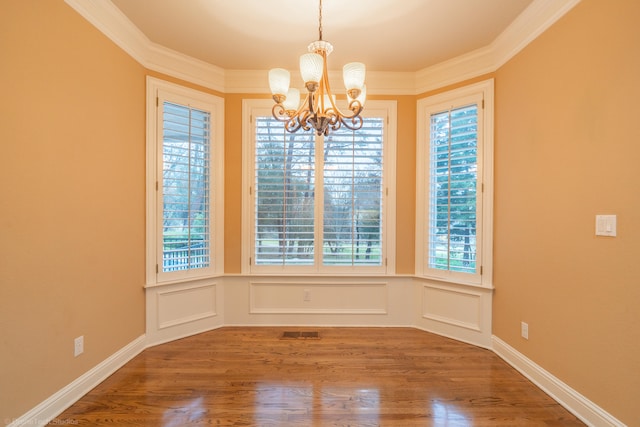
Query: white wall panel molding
(70, 394)
(186, 304)
(457, 311)
(331, 301)
(107, 18)
(590, 413)
(182, 309)
(311, 297)
(452, 306)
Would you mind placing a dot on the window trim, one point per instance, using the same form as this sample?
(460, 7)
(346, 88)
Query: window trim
(197, 99)
(251, 107)
(485, 90)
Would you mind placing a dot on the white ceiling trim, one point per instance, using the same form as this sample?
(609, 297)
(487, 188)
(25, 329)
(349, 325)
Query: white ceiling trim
(533, 21)
(107, 18)
(385, 83)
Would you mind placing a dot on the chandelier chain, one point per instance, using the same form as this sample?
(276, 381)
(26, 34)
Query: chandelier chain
(320, 20)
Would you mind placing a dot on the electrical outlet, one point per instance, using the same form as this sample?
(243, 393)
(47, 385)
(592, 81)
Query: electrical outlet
(306, 295)
(524, 330)
(78, 346)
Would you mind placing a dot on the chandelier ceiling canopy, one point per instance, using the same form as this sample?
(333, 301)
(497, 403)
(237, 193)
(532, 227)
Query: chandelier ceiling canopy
(318, 110)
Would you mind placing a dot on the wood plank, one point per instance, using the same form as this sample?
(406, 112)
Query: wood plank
(350, 377)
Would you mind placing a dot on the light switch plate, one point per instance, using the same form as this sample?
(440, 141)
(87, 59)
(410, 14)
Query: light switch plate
(606, 225)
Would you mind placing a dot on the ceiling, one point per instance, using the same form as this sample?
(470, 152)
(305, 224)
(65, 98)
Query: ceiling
(387, 35)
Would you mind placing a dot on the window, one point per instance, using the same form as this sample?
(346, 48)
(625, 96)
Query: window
(184, 201)
(284, 196)
(185, 188)
(454, 171)
(353, 195)
(318, 204)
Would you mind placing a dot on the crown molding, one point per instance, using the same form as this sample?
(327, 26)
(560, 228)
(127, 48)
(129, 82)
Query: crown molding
(109, 20)
(378, 82)
(461, 68)
(184, 67)
(532, 22)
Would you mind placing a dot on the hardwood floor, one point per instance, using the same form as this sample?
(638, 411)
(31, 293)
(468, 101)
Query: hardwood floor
(350, 377)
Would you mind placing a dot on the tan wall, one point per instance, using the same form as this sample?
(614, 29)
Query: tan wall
(72, 186)
(406, 184)
(233, 181)
(72, 126)
(568, 148)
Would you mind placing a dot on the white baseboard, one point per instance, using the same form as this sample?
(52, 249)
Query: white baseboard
(50, 408)
(587, 411)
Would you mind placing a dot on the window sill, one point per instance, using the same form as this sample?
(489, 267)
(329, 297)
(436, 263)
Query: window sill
(194, 280)
(455, 282)
(324, 276)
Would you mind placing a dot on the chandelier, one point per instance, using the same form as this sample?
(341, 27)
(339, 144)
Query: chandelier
(318, 110)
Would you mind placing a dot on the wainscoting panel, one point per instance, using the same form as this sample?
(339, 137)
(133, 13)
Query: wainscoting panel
(457, 311)
(318, 297)
(318, 301)
(178, 310)
(452, 306)
(178, 306)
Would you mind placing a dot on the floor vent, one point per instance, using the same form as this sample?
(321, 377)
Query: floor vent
(300, 335)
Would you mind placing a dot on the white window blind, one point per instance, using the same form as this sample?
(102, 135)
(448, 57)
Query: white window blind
(184, 177)
(284, 195)
(185, 188)
(318, 204)
(454, 186)
(353, 185)
(453, 190)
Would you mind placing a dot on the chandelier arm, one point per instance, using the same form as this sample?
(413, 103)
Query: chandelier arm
(356, 110)
(327, 85)
(293, 124)
(356, 122)
(305, 121)
(279, 113)
(302, 107)
(311, 107)
(355, 106)
(337, 124)
(292, 119)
